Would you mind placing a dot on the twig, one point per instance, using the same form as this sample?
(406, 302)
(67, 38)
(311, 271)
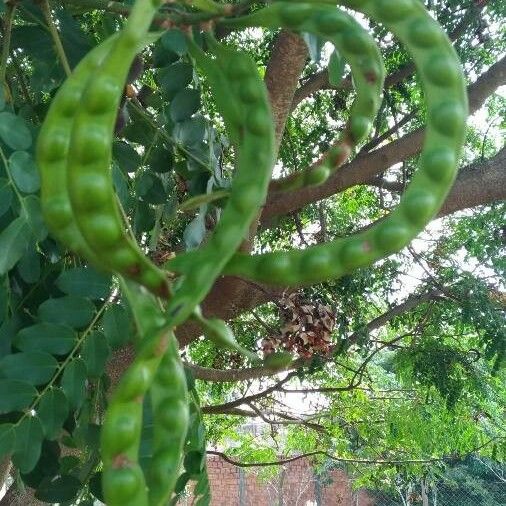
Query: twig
(249, 398)
(6, 44)
(384, 136)
(46, 10)
(298, 226)
(379, 462)
(22, 82)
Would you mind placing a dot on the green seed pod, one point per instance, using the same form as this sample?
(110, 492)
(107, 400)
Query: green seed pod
(420, 206)
(392, 236)
(293, 15)
(445, 92)
(221, 335)
(439, 164)
(331, 22)
(259, 123)
(232, 77)
(249, 91)
(52, 152)
(441, 70)
(101, 95)
(394, 10)
(135, 382)
(318, 175)
(355, 252)
(122, 429)
(123, 421)
(277, 265)
(321, 264)
(122, 485)
(171, 416)
(425, 34)
(359, 127)
(74, 152)
(278, 361)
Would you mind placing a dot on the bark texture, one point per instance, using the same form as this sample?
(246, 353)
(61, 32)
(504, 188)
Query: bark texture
(282, 76)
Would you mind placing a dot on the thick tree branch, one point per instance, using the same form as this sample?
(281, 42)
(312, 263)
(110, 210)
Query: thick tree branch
(367, 166)
(478, 184)
(282, 74)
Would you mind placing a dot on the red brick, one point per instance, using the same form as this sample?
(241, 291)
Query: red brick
(298, 486)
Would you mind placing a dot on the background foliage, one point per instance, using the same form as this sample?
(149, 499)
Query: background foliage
(422, 384)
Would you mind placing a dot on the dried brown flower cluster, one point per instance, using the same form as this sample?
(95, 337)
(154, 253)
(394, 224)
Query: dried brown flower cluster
(307, 328)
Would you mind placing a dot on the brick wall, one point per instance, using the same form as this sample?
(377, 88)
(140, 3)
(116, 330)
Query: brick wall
(294, 486)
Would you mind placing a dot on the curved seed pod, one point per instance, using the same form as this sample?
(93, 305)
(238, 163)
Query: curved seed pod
(52, 152)
(169, 396)
(121, 430)
(445, 93)
(89, 179)
(194, 450)
(248, 120)
(159, 370)
(221, 335)
(357, 46)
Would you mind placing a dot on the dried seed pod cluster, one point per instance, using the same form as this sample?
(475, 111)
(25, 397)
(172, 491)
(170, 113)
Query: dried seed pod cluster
(307, 328)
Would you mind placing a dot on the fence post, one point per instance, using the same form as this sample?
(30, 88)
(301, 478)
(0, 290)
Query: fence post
(242, 488)
(317, 489)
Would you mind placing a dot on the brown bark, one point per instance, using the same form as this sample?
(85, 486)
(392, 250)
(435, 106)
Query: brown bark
(5, 467)
(15, 497)
(478, 184)
(282, 76)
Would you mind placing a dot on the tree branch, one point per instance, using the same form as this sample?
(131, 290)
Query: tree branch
(218, 408)
(478, 184)
(379, 462)
(225, 375)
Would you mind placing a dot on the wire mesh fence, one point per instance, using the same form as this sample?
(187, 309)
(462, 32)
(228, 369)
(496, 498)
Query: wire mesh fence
(475, 482)
(442, 494)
